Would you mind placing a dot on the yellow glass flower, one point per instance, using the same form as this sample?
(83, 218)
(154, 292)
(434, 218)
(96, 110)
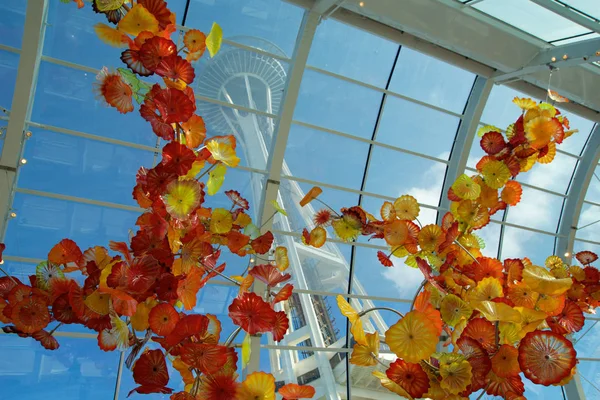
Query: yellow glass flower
(456, 375)
(224, 152)
(487, 289)
(388, 212)
(221, 221)
(366, 354)
(216, 177)
(472, 214)
(281, 258)
(138, 20)
(553, 262)
(257, 386)
(495, 174)
(454, 309)
(182, 197)
(139, 320)
(391, 385)
(413, 338)
(542, 281)
(525, 103)
(344, 229)
(430, 237)
(356, 327)
(110, 35)
(550, 154)
(466, 188)
(406, 207)
(540, 131)
(493, 311)
(98, 302)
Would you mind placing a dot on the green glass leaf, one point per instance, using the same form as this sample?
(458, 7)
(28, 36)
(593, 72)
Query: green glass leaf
(46, 271)
(278, 208)
(216, 177)
(140, 89)
(252, 231)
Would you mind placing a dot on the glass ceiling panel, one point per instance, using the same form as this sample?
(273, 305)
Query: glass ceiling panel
(393, 173)
(272, 20)
(588, 225)
(42, 222)
(309, 155)
(430, 80)
(589, 7)
(3, 125)
(351, 52)
(65, 98)
(12, 22)
(336, 104)
(593, 191)
(65, 164)
(537, 209)
(78, 370)
(9, 63)
(519, 243)
(531, 18)
(417, 128)
(590, 378)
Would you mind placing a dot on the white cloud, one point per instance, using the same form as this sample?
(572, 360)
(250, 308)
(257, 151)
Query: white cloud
(405, 279)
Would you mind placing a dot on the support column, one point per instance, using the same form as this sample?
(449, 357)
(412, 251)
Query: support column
(29, 61)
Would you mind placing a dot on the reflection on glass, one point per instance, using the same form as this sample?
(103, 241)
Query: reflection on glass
(326, 157)
(12, 22)
(336, 104)
(417, 128)
(66, 164)
(42, 222)
(352, 52)
(432, 81)
(78, 370)
(273, 20)
(9, 63)
(519, 243)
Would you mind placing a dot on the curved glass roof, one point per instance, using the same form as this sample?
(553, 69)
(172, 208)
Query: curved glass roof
(369, 121)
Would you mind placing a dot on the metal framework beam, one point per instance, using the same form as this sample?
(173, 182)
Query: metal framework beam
(464, 137)
(323, 6)
(564, 56)
(569, 13)
(22, 102)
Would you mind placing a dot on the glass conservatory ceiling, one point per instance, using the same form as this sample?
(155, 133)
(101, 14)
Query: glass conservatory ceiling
(338, 107)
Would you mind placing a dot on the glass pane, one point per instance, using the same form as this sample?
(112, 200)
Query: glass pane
(587, 6)
(9, 63)
(537, 209)
(593, 191)
(337, 104)
(242, 77)
(324, 269)
(491, 236)
(65, 98)
(519, 243)
(575, 143)
(371, 278)
(540, 392)
(578, 38)
(352, 52)
(590, 215)
(430, 80)
(590, 378)
(273, 22)
(42, 222)
(499, 109)
(74, 166)
(555, 176)
(531, 18)
(418, 128)
(309, 155)
(586, 340)
(78, 370)
(12, 22)
(393, 173)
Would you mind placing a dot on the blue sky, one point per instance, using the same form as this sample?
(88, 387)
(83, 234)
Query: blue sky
(82, 167)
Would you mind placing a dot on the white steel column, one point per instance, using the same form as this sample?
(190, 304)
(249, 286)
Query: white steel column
(29, 61)
(277, 151)
(464, 138)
